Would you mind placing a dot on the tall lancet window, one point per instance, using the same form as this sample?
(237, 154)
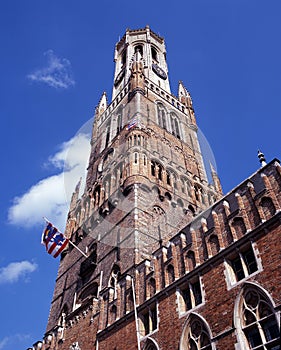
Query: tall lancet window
(119, 123)
(107, 137)
(154, 54)
(175, 125)
(162, 119)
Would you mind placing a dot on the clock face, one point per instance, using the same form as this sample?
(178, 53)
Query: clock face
(159, 71)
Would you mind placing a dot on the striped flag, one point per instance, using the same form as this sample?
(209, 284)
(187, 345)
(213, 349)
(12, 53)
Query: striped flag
(134, 122)
(54, 240)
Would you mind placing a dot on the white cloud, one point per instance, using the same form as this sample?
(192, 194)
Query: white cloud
(57, 73)
(14, 339)
(16, 270)
(50, 197)
(3, 342)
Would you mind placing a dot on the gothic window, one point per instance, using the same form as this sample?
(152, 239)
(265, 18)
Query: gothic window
(154, 54)
(113, 279)
(88, 266)
(107, 137)
(239, 226)
(171, 273)
(106, 186)
(150, 345)
(161, 116)
(130, 299)
(124, 57)
(214, 244)
(241, 264)
(153, 172)
(148, 320)
(190, 295)
(113, 313)
(168, 178)
(175, 125)
(197, 192)
(139, 48)
(196, 335)
(257, 320)
(183, 185)
(144, 160)
(191, 260)
(268, 207)
(90, 291)
(157, 170)
(175, 180)
(151, 287)
(119, 123)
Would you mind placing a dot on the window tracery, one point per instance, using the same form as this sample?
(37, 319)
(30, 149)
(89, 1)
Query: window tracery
(257, 320)
(196, 335)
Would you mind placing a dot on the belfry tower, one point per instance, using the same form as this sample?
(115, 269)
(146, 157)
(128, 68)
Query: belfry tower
(146, 180)
(146, 174)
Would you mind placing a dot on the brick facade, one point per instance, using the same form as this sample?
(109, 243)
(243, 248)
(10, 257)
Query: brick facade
(205, 267)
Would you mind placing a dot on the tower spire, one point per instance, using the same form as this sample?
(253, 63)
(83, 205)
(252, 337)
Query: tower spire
(216, 179)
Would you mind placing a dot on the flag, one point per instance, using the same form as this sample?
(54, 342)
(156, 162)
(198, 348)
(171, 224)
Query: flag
(132, 124)
(54, 240)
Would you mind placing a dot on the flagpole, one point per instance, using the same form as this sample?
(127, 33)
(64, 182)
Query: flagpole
(79, 250)
(136, 315)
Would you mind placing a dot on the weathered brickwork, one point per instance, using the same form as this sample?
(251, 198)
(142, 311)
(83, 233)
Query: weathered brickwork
(204, 268)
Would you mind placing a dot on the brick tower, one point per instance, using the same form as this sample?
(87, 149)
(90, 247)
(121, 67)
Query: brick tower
(150, 221)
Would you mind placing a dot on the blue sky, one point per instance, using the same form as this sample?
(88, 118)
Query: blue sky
(57, 59)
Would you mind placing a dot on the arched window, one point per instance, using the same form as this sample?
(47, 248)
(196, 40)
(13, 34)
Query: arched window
(113, 313)
(168, 177)
(113, 279)
(175, 125)
(151, 287)
(162, 121)
(256, 320)
(171, 273)
(239, 226)
(144, 160)
(119, 123)
(124, 57)
(150, 344)
(157, 170)
(268, 207)
(139, 48)
(214, 244)
(154, 54)
(196, 335)
(107, 137)
(191, 260)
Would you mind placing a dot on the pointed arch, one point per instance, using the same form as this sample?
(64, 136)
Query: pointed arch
(268, 207)
(214, 244)
(171, 273)
(255, 319)
(150, 344)
(175, 125)
(162, 116)
(196, 334)
(239, 226)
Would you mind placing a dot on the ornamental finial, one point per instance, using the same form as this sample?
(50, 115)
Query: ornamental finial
(261, 158)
